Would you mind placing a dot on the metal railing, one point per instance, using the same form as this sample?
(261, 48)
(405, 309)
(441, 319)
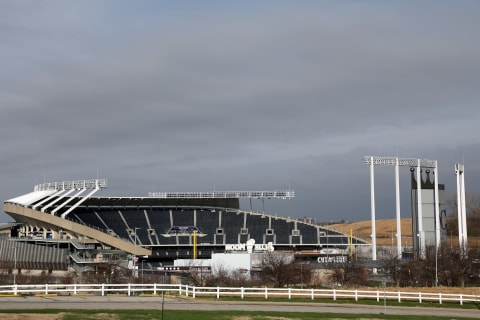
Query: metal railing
(92, 289)
(132, 289)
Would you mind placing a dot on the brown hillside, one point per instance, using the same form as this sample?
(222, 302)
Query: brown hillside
(385, 229)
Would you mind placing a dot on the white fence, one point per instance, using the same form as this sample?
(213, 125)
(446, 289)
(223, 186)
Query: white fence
(218, 292)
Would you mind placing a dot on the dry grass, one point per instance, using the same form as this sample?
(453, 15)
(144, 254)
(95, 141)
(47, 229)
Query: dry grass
(385, 229)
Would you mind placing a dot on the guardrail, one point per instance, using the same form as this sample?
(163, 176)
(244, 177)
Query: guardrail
(242, 292)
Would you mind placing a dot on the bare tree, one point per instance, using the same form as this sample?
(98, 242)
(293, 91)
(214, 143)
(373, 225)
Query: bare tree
(107, 272)
(239, 278)
(219, 276)
(347, 272)
(303, 272)
(278, 269)
(392, 264)
(410, 274)
(455, 265)
(450, 265)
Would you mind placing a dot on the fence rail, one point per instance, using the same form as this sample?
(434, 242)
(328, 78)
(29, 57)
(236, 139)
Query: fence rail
(242, 292)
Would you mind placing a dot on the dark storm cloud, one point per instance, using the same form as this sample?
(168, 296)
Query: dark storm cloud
(266, 96)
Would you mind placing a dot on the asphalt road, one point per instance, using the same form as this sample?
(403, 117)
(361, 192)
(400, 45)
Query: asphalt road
(155, 302)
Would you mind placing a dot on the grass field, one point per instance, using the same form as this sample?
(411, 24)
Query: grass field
(189, 315)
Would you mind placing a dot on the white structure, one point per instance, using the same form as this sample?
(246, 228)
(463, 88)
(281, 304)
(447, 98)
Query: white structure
(406, 162)
(461, 208)
(54, 192)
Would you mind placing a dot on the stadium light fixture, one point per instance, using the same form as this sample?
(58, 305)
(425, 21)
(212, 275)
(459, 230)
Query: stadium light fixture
(281, 194)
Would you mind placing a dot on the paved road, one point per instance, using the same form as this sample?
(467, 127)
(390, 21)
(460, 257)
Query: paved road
(155, 302)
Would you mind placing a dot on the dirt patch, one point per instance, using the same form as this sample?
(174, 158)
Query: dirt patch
(31, 316)
(103, 316)
(52, 316)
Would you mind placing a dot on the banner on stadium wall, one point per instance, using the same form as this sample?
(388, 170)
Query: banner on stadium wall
(332, 259)
(250, 247)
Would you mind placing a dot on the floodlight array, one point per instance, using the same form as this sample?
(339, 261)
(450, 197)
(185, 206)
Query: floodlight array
(282, 194)
(72, 185)
(402, 162)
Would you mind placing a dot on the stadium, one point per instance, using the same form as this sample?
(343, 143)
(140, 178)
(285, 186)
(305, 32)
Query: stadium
(159, 228)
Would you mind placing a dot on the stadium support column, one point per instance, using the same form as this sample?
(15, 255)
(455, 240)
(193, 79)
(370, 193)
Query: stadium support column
(437, 209)
(421, 235)
(372, 204)
(464, 212)
(461, 208)
(437, 221)
(397, 206)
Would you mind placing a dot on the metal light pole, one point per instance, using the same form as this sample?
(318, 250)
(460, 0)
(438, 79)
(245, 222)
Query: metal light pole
(301, 275)
(135, 268)
(14, 264)
(142, 271)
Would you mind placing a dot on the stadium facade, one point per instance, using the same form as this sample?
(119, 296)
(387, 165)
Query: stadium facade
(161, 227)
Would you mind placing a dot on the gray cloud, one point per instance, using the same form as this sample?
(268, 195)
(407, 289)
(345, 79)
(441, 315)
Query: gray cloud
(276, 95)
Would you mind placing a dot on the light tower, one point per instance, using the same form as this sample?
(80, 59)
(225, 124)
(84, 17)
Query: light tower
(461, 208)
(417, 165)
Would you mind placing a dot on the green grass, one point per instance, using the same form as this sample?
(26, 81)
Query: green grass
(209, 315)
(372, 302)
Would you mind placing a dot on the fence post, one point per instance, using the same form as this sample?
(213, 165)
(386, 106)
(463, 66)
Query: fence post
(242, 292)
(461, 299)
(334, 295)
(356, 295)
(419, 297)
(15, 289)
(399, 297)
(75, 288)
(155, 289)
(289, 293)
(378, 296)
(186, 290)
(46, 288)
(218, 292)
(266, 293)
(179, 289)
(103, 289)
(193, 292)
(313, 294)
(440, 298)
(129, 289)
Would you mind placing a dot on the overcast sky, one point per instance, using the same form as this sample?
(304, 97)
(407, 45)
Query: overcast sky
(245, 95)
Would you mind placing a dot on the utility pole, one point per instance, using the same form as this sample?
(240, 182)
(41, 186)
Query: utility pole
(15, 264)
